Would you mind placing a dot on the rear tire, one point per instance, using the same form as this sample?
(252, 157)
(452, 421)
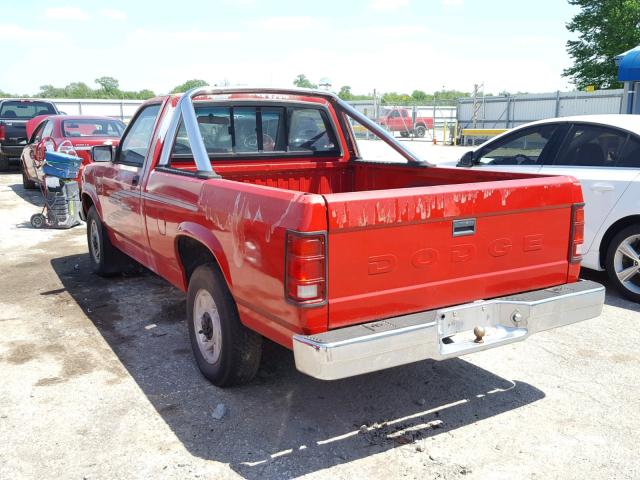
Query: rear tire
(104, 257)
(226, 352)
(622, 262)
(420, 131)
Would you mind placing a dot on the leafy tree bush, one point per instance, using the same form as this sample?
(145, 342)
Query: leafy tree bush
(605, 29)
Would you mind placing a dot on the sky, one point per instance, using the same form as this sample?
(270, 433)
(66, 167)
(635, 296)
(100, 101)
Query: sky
(387, 45)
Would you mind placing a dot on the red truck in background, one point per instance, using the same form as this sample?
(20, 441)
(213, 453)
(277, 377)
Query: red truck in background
(257, 204)
(407, 122)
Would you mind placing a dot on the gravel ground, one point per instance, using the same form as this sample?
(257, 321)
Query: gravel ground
(98, 382)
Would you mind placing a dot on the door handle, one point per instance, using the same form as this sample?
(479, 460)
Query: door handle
(135, 180)
(602, 187)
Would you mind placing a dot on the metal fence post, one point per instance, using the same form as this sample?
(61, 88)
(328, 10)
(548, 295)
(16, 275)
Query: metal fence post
(557, 104)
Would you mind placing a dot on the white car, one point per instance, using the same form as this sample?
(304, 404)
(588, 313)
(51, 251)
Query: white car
(603, 152)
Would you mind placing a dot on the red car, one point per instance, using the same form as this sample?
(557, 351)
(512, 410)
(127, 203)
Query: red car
(71, 134)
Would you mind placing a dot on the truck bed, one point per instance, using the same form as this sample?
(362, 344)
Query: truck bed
(331, 176)
(402, 218)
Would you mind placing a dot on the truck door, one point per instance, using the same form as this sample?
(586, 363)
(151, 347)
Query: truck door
(121, 202)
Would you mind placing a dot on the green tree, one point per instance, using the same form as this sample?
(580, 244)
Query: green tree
(110, 86)
(345, 93)
(302, 81)
(605, 29)
(189, 84)
(420, 96)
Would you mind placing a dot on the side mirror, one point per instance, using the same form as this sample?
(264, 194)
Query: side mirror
(102, 153)
(466, 160)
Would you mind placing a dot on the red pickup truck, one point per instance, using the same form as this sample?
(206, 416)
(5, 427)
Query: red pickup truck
(257, 204)
(402, 120)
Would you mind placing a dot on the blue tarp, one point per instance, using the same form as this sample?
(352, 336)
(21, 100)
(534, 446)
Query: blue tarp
(629, 65)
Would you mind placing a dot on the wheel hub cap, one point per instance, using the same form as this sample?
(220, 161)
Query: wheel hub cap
(206, 323)
(95, 242)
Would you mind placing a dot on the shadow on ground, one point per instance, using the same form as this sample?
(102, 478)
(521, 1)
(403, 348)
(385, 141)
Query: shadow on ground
(284, 424)
(34, 197)
(612, 297)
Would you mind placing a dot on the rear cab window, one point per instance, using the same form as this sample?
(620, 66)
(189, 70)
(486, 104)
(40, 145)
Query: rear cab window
(242, 131)
(25, 109)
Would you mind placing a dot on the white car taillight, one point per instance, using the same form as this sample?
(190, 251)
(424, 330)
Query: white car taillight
(306, 271)
(67, 147)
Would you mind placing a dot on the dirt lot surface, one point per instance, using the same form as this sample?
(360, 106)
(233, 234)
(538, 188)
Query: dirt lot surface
(98, 382)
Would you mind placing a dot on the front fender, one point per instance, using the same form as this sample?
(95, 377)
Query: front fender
(89, 191)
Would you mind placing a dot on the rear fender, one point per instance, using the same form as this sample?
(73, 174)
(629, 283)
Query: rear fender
(209, 240)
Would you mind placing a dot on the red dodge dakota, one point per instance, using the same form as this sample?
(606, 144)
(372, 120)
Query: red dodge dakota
(257, 204)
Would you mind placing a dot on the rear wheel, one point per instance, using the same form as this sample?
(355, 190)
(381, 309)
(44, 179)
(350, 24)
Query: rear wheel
(226, 352)
(420, 131)
(622, 262)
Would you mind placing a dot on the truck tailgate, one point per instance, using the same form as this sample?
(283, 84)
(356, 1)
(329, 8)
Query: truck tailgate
(392, 252)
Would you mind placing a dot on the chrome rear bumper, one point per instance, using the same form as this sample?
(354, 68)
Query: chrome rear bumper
(444, 333)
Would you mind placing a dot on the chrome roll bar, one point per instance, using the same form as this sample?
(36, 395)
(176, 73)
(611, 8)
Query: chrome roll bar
(186, 112)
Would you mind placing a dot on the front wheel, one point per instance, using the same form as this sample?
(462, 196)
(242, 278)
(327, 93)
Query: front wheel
(622, 262)
(104, 257)
(226, 352)
(420, 131)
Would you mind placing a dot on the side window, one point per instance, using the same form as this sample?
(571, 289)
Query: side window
(521, 148)
(394, 114)
(308, 131)
(36, 136)
(135, 144)
(631, 154)
(592, 146)
(48, 129)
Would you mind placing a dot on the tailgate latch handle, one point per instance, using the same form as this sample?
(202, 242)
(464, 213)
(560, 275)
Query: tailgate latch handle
(464, 227)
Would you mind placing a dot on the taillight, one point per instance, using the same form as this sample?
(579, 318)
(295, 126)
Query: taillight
(3, 133)
(577, 233)
(306, 268)
(67, 147)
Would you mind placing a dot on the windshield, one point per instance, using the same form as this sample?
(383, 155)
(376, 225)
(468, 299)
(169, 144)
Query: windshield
(92, 128)
(25, 109)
